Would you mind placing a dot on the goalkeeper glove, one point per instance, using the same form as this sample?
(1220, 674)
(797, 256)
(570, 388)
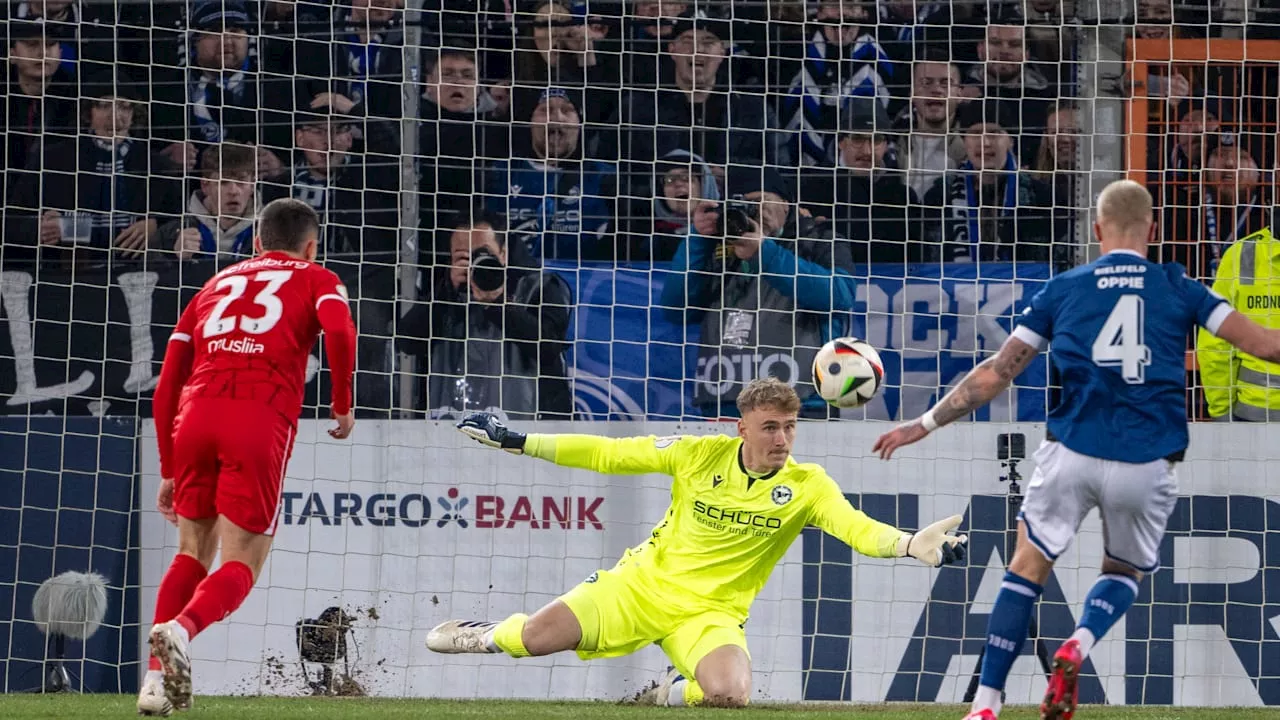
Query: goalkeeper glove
(486, 429)
(935, 545)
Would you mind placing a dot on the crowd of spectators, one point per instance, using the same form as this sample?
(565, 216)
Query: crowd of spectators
(848, 133)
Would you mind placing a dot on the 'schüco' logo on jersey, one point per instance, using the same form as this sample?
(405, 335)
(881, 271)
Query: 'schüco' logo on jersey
(781, 495)
(738, 522)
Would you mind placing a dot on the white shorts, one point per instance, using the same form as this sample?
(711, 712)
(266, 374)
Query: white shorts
(1134, 499)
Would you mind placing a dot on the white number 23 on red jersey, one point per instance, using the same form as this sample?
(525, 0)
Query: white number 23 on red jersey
(236, 285)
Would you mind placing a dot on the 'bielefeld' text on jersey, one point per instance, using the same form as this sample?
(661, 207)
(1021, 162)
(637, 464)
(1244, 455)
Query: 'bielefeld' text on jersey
(1117, 330)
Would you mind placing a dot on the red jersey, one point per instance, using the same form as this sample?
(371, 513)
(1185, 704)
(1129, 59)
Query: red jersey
(247, 335)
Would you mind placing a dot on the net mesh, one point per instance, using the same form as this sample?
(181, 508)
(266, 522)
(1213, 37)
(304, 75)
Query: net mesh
(545, 209)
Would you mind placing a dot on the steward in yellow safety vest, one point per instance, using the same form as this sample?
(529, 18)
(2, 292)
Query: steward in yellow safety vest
(1239, 386)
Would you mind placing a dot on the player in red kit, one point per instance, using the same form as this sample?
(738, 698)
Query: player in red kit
(226, 411)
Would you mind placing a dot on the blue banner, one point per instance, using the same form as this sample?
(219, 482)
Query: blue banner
(67, 502)
(930, 322)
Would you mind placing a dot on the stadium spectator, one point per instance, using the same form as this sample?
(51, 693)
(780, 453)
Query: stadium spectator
(767, 284)
(681, 180)
(559, 205)
(928, 144)
(989, 209)
(219, 218)
(561, 45)
(911, 29)
(1045, 12)
(1195, 123)
(867, 199)
(1046, 33)
(648, 25)
(289, 32)
(1004, 74)
(38, 96)
(696, 112)
(1057, 161)
(1231, 205)
(1153, 20)
(364, 62)
(483, 22)
(223, 96)
(353, 184)
(454, 139)
(85, 30)
(493, 329)
(838, 57)
(1180, 154)
(96, 190)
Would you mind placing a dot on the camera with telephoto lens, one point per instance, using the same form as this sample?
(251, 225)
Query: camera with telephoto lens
(737, 218)
(487, 271)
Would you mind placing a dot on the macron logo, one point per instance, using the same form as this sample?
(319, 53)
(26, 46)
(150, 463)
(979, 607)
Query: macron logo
(243, 346)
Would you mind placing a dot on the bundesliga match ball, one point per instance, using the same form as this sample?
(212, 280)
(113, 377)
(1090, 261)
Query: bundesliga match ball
(847, 372)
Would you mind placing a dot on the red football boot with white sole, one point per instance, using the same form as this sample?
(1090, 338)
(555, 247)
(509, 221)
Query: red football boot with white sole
(1060, 697)
(983, 714)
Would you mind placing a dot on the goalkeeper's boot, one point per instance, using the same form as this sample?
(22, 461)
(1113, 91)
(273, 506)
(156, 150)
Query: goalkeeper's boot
(1060, 697)
(983, 714)
(461, 636)
(169, 645)
(660, 692)
(152, 700)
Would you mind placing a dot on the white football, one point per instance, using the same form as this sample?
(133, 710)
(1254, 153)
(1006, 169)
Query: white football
(847, 372)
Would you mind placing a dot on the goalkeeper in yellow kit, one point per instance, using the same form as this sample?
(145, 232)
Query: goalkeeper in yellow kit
(737, 503)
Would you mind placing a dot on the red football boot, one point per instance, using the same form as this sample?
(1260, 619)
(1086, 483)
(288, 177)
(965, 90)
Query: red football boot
(983, 714)
(1060, 697)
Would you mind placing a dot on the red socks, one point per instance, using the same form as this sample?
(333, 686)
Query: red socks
(217, 597)
(176, 588)
(196, 599)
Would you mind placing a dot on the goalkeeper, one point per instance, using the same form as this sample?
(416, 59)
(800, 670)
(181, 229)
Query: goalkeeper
(737, 503)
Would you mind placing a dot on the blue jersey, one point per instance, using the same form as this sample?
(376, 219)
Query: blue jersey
(1117, 330)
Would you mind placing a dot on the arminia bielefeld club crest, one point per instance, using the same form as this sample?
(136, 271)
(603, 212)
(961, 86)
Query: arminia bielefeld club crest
(781, 495)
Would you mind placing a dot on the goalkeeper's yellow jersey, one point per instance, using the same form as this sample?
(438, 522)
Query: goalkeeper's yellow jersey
(725, 530)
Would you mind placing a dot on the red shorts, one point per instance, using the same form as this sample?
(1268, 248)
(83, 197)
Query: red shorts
(229, 459)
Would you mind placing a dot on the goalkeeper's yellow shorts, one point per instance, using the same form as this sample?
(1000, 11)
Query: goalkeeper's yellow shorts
(620, 614)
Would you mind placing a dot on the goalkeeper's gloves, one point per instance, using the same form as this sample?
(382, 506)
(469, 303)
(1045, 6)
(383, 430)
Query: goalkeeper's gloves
(486, 429)
(935, 545)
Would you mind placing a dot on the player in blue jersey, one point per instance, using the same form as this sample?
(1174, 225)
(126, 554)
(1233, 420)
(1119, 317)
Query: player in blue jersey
(1117, 330)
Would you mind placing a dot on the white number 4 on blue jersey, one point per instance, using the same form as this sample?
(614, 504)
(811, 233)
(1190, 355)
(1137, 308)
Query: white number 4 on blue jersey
(1119, 343)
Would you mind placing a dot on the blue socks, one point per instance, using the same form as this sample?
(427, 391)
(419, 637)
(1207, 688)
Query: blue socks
(1007, 629)
(1109, 598)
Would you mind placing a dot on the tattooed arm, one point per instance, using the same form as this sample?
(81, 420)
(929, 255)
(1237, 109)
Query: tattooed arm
(990, 378)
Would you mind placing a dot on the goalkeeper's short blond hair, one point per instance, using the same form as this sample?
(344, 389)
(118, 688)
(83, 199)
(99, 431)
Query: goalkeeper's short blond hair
(769, 393)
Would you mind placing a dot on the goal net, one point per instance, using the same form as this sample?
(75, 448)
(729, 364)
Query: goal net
(606, 217)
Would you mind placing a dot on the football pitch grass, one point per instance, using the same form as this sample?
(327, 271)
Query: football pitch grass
(33, 707)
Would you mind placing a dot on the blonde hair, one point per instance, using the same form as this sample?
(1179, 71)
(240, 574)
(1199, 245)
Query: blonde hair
(1125, 206)
(769, 393)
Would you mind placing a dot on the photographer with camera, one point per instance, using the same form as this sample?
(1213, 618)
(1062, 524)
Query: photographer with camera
(492, 330)
(767, 284)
